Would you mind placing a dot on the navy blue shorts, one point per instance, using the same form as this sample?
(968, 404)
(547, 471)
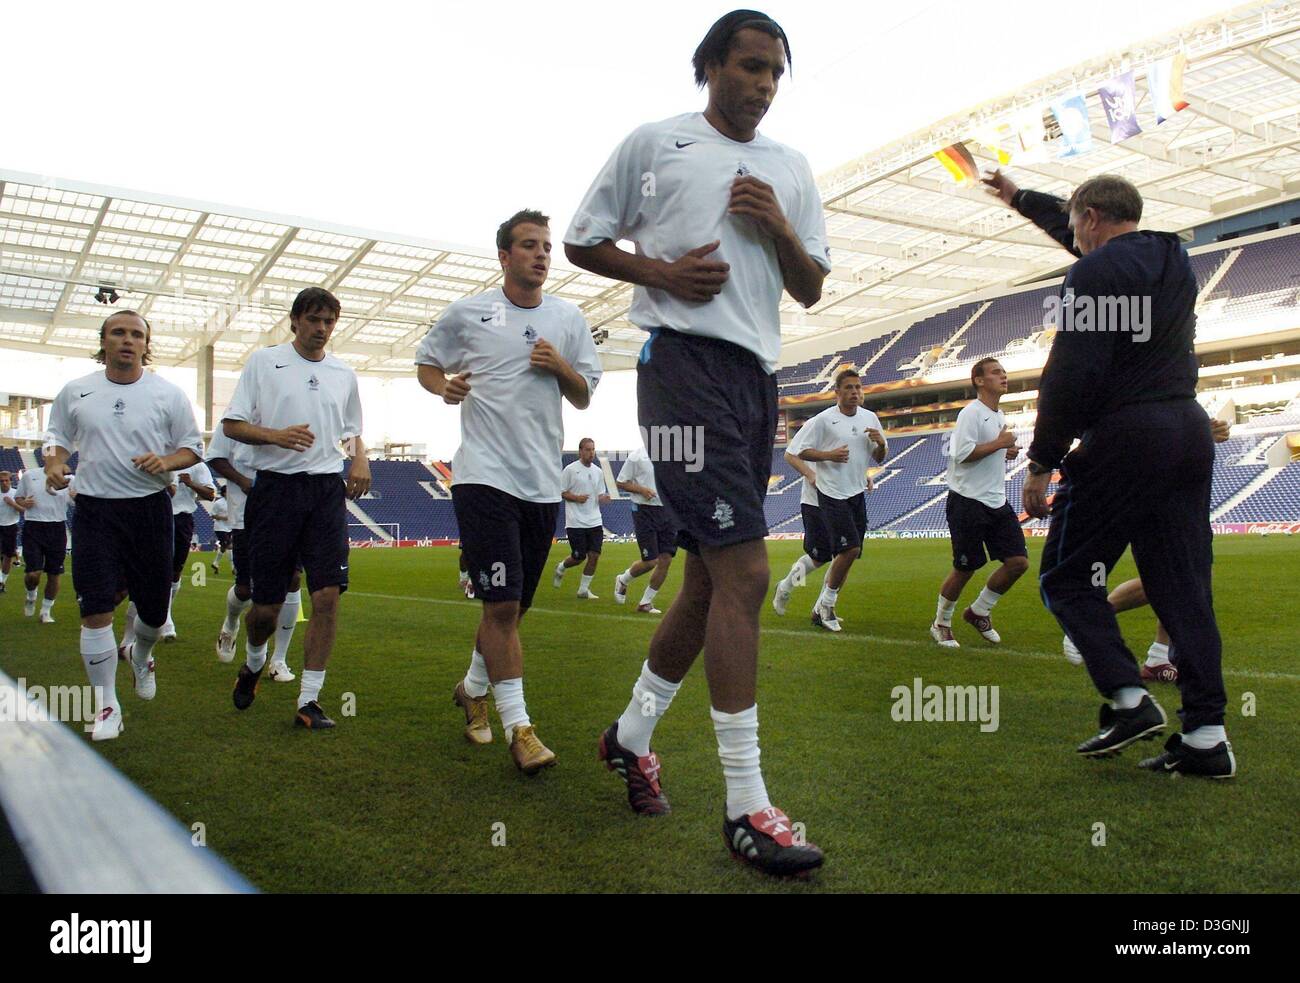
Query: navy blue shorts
(584, 541)
(9, 540)
(656, 531)
(505, 541)
(239, 558)
(182, 533)
(126, 542)
(816, 537)
(292, 519)
(708, 412)
(974, 526)
(222, 536)
(45, 545)
(844, 521)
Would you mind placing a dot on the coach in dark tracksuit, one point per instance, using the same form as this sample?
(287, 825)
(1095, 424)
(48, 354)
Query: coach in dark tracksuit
(1122, 377)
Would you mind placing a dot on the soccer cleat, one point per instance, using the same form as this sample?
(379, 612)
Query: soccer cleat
(1215, 762)
(467, 586)
(1165, 672)
(2, 586)
(943, 635)
(1120, 728)
(780, 599)
(29, 608)
(558, 579)
(587, 595)
(281, 673)
(620, 590)
(311, 716)
(108, 725)
(648, 609)
(47, 618)
(765, 840)
(146, 683)
(246, 687)
(226, 647)
(215, 567)
(824, 617)
(641, 774)
(478, 728)
(982, 623)
(530, 754)
(168, 635)
(1072, 653)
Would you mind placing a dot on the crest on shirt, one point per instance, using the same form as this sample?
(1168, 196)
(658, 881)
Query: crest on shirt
(119, 408)
(742, 169)
(530, 336)
(313, 383)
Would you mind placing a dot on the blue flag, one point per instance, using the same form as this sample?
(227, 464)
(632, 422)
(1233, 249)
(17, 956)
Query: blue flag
(1072, 116)
(1119, 99)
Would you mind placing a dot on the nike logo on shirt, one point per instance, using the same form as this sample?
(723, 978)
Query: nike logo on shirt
(284, 366)
(84, 395)
(688, 143)
(488, 318)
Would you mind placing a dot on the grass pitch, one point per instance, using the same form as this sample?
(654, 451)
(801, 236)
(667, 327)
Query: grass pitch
(395, 799)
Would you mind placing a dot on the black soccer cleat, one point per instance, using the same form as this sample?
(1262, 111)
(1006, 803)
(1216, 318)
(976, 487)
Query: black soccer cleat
(311, 716)
(766, 840)
(1120, 728)
(644, 793)
(246, 686)
(1215, 762)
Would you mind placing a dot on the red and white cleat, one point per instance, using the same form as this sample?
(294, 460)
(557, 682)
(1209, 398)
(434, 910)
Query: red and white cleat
(982, 623)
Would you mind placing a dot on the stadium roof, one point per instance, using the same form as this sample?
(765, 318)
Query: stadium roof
(904, 237)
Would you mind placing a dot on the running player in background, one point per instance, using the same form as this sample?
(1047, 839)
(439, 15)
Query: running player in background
(582, 486)
(220, 528)
(10, 512)
(186, 489)
(655, 527)
(45, 540)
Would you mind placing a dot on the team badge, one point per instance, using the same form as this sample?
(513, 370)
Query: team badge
(530, 336)
(313, 383)
(119, 408)
(723, 514)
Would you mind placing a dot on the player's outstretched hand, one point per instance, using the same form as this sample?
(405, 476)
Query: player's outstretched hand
(358, 482)
(694, 278)
(840, 455)
(457, 388)
(149, 463)
(757, 200)
(295, 438)
(1000, 186)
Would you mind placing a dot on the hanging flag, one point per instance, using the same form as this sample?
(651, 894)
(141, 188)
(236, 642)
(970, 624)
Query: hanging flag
(958, 162)
(1165, 83)
(1031, 131)
(991, 137)
(1072, 116)
(1119, 100)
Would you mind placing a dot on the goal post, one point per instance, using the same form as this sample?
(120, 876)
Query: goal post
(390, 532)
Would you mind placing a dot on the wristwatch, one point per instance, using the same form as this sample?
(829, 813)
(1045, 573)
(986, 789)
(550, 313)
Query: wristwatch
(1038, 469)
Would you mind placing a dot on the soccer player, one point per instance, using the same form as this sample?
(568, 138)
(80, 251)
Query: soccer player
(10, 511)
(655, 527)
(1141, 473)
(840, 442)
(296, 404)
(979, 515)
(508, 357)
(723, 219)
(582, 486)
(189, 486)
(220, 527)
(131, 428)
(45, 540)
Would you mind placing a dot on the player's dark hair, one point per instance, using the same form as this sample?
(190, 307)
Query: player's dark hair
(100, 355)
(843, 374)
(977, 369)
(1115, 198)
(716, 46)
(315, 299)
(525, 216)
(586, 440)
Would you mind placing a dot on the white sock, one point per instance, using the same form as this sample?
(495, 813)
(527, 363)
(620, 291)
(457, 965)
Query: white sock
(284, 628)
(1157, 654)
(628, 576)
(128, 626)
(508, 695)
(1204, 738)
(649, 596)
(943, 613)
(651, 697)
(255, 655)
(1127, 697)
(312, 681)
(464, 576)
(31, 595)
(234, 608)
(798, 575)
(169, 623)
(146, 636)
(98, 646)
(477, 682)
(47, 605)
(560, 569)
(584, 583)
(738, 750)
(983, 605)
(3, 576)
(827, 599)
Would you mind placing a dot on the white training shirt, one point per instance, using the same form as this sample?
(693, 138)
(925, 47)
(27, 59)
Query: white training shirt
(830, 429)
(240, 457)
(667, 188)
(185, 500)
(511, 428)
(581, 479)
(279, 388)
(8, 514)
(986, 479)
(220, 515)
(109, 423)
(640, 469)
(807, 490)
(50, 506)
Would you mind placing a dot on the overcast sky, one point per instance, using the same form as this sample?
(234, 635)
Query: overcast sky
(437, 120)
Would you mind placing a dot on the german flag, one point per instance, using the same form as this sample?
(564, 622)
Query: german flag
(958, 162)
